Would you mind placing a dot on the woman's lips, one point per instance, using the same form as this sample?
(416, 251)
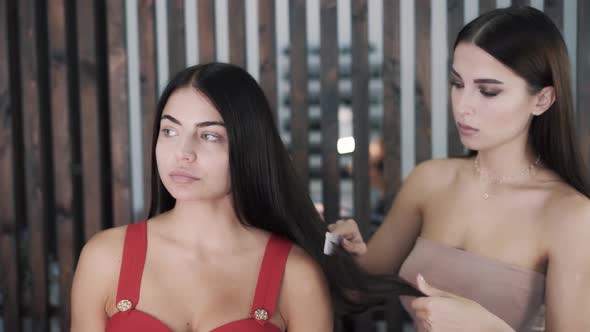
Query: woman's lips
(182, 177)
(466, 130)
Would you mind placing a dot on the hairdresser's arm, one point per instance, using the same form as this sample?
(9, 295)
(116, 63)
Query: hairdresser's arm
(393, 241)
(304, 301)
(441, 311)
(567, 295)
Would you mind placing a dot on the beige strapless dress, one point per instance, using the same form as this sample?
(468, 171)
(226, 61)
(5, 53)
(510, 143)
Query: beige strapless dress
(513, 293)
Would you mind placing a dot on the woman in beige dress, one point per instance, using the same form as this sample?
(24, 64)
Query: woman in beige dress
(498, 240)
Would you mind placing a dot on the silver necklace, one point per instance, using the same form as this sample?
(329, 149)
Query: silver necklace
(485, 176)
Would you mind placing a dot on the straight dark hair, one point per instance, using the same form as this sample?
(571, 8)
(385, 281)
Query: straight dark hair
(526, 40)
(266, 192)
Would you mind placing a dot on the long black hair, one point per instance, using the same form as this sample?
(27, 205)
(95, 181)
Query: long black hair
(526, 40)
(266, 192)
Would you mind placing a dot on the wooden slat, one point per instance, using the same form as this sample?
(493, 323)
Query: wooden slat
(9, 107)
(176, 36)
(486, 5)
(554, 9)
(329, 101)
(267, 51)
(34, 164)
(423, 108)
(455, 23)
(10, 283)
(521, 2)
(119, 112)
(237, 32)
(90, 119)
(583, 78)
(206, 21)
(62, 153)
(391, 98)
(338, 325)
(363, 321)
(394, 315)
(147, 54)
(298, 88)
(391, 127)
(360, 109)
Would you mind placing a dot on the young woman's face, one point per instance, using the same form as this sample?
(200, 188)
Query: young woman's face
(192, 149)
(491, 104)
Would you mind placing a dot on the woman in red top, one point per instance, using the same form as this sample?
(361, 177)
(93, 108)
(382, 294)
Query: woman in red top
(216, 252)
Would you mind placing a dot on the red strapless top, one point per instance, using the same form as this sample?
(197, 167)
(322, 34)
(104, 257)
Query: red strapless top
(134, 252)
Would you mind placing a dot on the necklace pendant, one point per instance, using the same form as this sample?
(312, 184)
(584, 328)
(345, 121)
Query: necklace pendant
(486, 195)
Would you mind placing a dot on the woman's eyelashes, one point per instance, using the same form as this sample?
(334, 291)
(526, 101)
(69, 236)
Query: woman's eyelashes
(456, 84)
(485, 91)
(207, 136)
(211, 137)
(169, 132)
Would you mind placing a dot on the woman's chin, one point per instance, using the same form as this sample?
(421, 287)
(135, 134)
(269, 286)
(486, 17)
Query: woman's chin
(198, 197)
(470, 145)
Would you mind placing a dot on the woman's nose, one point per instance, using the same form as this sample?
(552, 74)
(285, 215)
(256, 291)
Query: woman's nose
(187, 152)
(465, 105)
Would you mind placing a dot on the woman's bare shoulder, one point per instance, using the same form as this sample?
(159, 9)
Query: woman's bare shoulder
(305, 298)
(439, 172)
(568, 214)
(446, 165)
(105, 246)
(96, 277)
(299, 262)
(100, 259)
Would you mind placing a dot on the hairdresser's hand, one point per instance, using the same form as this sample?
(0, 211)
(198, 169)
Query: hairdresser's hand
(352, 240)
(441, 311)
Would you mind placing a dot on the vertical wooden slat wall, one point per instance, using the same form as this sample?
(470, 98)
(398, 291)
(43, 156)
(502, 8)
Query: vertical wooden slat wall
(149, 90)
(391, 98)
(486, 5)
(423, 106)
(267, 51)
(298, 88)
(455, 18)
(176, 36)
(91, 119)
(360, 113)
(62, 151)
(206, 21)
(583, 78)
(64, 121)
(554, 9)
(118, 112)
(237, 32)
(392, 128)
(9, 128)
(35, 166)
(329, 101)
(521, 2)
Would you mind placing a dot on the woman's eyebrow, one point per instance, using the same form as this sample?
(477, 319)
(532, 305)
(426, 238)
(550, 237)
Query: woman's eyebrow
(171, 118)
(478, 80)
(210, 123)
(198, 125)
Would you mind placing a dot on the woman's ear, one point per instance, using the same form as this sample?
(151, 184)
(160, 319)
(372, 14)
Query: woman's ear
(544, 100)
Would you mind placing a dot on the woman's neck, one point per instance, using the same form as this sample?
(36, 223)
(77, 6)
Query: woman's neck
(506, 162)
(209, 225)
